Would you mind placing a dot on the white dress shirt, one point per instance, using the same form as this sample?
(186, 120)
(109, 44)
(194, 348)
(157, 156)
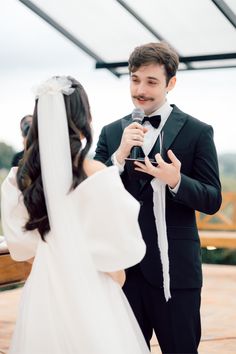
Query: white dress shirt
(152, 134)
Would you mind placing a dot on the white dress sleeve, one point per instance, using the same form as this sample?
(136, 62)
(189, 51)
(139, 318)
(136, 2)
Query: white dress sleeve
(21, 244)
(109, 216)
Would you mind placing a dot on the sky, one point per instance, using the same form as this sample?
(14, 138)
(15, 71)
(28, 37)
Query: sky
(32, 51)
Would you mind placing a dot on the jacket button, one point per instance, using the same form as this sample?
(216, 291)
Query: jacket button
(141, 202)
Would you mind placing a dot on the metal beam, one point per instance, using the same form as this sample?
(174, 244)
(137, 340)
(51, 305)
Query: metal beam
(189, 59)
(226, 11)
(184, 60)
(200, 68)
(119, 64)
(210, 67)
(208, 57)
(64, 32)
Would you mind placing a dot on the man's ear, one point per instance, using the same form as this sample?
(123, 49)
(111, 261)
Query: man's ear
(171, 84)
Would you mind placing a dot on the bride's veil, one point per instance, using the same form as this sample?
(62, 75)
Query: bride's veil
(82, 316)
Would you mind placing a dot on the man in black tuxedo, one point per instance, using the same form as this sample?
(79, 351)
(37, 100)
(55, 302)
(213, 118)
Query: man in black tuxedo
(188, 167)
(25, 125)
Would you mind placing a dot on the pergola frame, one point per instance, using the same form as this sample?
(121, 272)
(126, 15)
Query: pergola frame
(113, 66)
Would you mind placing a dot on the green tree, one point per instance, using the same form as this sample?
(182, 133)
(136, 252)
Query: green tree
(228, 171)
(6, 155)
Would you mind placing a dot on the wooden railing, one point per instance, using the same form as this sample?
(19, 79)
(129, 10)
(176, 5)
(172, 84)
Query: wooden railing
(219, 230)
(11, 272)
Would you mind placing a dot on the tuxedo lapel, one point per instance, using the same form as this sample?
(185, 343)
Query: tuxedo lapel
(170, 130)
(155, 149)
(126, 121)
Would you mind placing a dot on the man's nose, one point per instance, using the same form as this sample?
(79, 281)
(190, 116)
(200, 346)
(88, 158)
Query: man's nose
(141, 89)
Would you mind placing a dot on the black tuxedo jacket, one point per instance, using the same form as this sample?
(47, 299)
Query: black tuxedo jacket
(192, 142)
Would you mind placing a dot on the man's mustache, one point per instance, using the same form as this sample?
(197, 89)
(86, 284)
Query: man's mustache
(143, 98)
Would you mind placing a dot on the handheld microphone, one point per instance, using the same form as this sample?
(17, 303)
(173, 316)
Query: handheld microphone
(137, 116)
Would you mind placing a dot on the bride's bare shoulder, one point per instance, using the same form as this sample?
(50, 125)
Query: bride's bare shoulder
(93, 166)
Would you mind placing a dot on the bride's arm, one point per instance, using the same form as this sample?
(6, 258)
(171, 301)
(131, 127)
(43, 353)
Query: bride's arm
(118, 276)
(92, 166)
(21, 244)
(114, 245)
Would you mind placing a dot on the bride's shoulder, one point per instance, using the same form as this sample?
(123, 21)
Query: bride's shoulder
(93, 166)
(98, 175)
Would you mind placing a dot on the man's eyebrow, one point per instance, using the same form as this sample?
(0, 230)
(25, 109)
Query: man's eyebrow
(152, 78)
(149, 77)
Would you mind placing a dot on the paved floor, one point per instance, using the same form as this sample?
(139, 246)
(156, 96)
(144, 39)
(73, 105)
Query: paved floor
(218, 312)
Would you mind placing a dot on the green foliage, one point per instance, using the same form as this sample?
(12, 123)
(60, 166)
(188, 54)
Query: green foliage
(228, 183)
(11, 287)
(6, 155)
(219, 256)
(227, 165)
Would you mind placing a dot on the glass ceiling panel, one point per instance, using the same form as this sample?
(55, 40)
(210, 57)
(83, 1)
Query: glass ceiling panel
(193, 27)
(231, 4)
(103, 26)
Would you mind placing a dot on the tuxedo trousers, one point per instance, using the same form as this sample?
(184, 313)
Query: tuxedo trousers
(176, 323)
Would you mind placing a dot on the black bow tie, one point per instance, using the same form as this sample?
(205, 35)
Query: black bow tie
(154, 120)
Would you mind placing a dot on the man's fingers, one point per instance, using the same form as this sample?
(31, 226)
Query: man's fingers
(147, 162)
(135, 125)
(173, 158)
(159, 159)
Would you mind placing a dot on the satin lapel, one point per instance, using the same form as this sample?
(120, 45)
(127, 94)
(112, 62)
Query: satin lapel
(170, 130)
(155, 149)
(126, 121)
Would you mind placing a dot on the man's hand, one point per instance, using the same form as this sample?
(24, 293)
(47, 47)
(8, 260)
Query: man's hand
(169, 173)
(133, 135)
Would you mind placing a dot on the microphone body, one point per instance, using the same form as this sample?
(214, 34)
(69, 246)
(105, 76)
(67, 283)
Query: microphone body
(135, 152)
(137, 116)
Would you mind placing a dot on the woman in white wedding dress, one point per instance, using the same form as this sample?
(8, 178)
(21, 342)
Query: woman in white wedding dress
(73, 219)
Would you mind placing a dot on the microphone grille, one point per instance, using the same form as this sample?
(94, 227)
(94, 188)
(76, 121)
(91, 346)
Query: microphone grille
(138, 114)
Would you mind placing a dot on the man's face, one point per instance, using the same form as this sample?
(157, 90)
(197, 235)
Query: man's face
(25, 125)
(148, 87)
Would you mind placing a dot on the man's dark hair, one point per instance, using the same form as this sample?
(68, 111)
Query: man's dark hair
(155, 53)
(25, 124)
